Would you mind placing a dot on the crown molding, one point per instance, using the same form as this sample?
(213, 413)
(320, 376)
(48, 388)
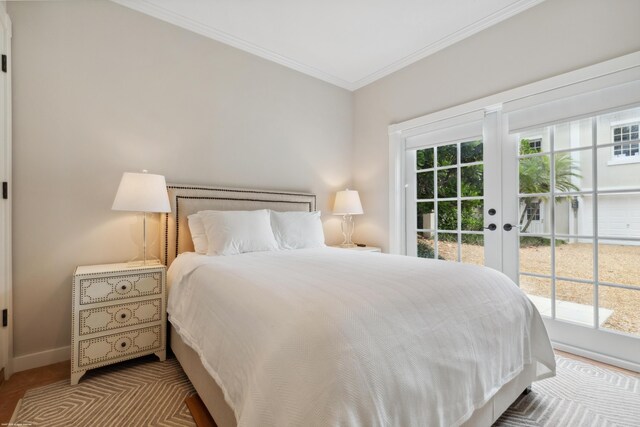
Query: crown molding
(148, 8)
(469, 30)
(171, 17)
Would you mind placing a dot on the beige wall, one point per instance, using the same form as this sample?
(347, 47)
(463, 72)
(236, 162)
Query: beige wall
(100, 89)
(552, 38)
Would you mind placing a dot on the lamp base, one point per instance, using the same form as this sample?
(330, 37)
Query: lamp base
(348, 245)
(137, 262)
(143, 259)
(347, 227)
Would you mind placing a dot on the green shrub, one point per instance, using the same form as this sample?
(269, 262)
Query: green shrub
(532, 241)
(425, 250)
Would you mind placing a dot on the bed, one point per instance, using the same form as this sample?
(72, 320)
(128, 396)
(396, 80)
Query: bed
(332, 337)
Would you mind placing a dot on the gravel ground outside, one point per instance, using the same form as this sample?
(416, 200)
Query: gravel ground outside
(617, 264)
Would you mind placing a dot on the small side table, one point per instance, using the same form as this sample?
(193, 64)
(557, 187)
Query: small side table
(119, 312)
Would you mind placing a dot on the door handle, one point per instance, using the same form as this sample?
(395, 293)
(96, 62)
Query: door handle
(509, 227)
(491, 227)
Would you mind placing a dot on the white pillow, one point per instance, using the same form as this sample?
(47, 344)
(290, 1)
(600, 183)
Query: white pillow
(196, 226)
(297, 230)
(235, 232)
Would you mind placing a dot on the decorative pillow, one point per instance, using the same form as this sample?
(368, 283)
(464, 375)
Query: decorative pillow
(235, 232)
(199, 237)
(297, 230)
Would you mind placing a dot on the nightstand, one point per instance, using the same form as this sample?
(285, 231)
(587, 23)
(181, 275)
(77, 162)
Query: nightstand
(118, 313)
(360, 248)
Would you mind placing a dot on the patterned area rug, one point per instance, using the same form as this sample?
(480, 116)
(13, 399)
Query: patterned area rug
(580, 395)
(152, 393)
(142, 392)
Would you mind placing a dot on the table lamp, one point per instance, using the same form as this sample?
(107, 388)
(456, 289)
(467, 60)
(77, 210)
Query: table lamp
(347, 204)
(146, 193)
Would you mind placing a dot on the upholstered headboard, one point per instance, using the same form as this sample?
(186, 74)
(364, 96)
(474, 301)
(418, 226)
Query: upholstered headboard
(185, 200)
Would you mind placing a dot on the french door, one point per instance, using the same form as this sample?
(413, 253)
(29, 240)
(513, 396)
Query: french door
(451, 177)
(555, 207)
(577, 212)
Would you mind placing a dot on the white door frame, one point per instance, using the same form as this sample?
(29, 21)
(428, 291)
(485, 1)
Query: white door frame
(564, 335)
(6, 295)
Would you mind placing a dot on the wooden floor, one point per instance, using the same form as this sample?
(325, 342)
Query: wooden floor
(14, 388)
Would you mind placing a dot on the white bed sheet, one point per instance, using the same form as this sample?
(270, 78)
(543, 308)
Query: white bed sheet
(330, 337)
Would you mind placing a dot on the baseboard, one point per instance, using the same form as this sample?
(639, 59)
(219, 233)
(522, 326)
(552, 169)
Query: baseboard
(42, 358)
(625, 364)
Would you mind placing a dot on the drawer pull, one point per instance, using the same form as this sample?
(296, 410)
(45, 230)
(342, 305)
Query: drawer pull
(123, 344)
(123, 287)
(123, 315)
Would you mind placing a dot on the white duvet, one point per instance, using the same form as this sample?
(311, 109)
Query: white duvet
(330, 337)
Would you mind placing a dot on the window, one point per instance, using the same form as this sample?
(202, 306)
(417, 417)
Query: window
(535, 144)
(627, 137)
(533, 211)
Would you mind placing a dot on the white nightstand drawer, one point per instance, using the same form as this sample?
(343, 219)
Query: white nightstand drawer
(119, 316)
(119, 286)
(110, 348)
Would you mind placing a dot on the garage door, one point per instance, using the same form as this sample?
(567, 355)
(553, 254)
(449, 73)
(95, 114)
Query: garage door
(619, 216)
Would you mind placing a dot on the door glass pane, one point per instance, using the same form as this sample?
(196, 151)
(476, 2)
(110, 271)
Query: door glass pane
(573, 171)
(619, 309)
(473, 248)
(539, 292)
(535, 174)
(533, 215)
(619, 214)
(471, 152)
(535, 255)
(447, 183)
(535, 141)
(424, 158)
(426, 246)
(471, 181)
(447, 215)
(619, 262)
(424, 185)
(426, 216)
(574, 216)
(448, 155)
(574, 302)
(472, 215)
(574, 259)
(448, 246)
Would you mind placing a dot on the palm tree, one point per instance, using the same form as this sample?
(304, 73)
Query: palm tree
(535, 178)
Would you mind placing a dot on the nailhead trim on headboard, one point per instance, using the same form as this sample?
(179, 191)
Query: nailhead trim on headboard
(311, 206)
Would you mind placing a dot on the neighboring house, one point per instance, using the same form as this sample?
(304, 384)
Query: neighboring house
(618, 168)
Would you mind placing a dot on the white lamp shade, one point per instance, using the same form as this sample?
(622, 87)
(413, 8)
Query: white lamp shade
(347, 203)
(142, 192)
